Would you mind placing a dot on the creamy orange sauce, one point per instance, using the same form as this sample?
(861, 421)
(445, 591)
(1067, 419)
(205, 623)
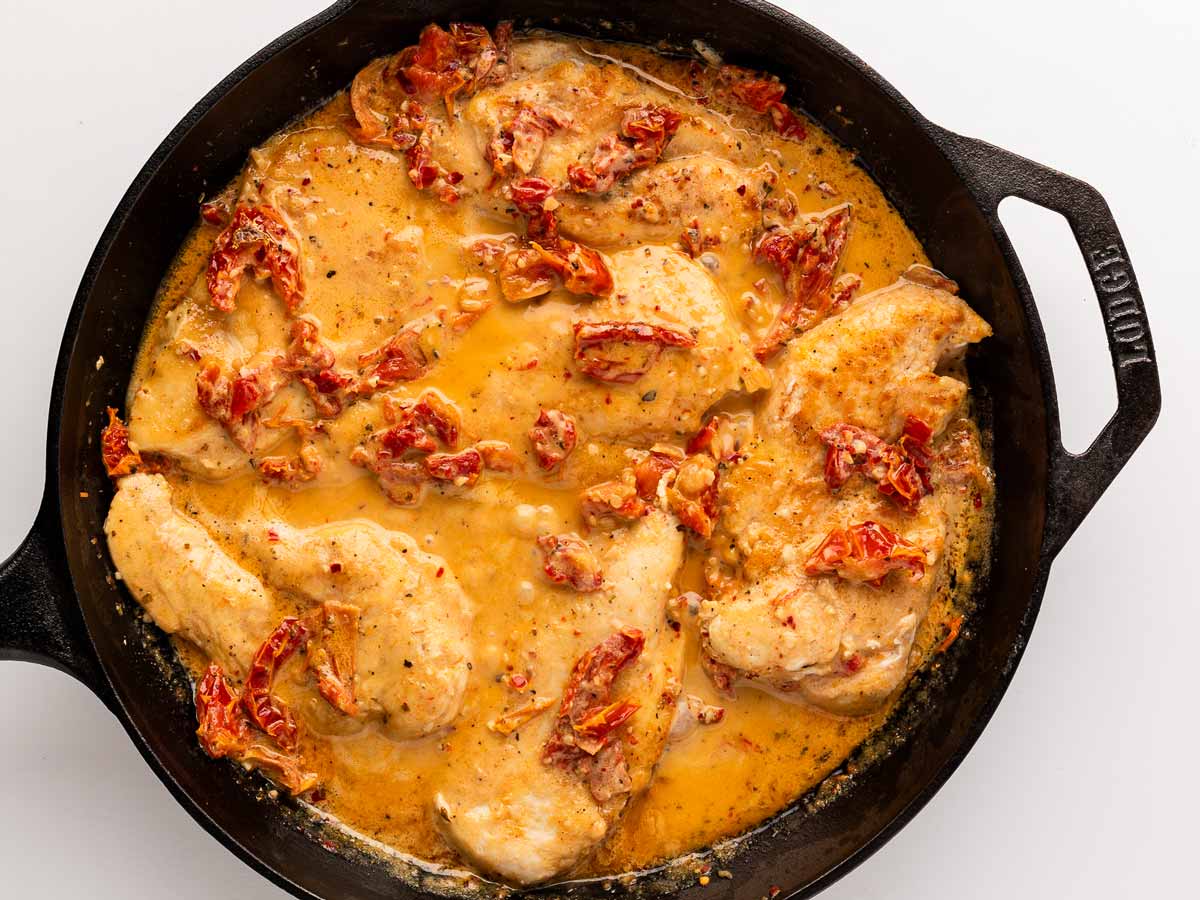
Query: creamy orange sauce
(362, 283)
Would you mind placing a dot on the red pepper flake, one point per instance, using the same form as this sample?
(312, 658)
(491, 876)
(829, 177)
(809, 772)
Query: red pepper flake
(272, 535)
(335, 568)
(440, 572)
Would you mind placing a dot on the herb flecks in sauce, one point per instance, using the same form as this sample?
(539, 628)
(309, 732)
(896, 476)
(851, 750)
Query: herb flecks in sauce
(490, 298)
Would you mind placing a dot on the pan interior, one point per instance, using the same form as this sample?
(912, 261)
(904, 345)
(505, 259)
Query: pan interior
(942, 712)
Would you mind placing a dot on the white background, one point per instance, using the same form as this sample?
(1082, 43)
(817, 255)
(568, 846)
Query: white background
(1085, 783)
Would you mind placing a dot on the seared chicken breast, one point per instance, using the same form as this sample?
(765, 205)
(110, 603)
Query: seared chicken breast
(413, 652)
(838, 643)
(180, 574)
(515, 814)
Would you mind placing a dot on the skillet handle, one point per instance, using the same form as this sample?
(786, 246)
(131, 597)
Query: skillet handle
(1078, 480)
(40, 621)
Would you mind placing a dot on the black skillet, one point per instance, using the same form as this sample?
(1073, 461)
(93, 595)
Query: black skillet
(60, 606)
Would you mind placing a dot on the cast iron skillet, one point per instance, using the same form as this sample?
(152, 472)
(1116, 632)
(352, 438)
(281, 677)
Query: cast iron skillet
(60, 606)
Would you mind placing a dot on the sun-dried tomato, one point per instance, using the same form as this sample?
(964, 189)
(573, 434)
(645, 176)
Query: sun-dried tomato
(402, 480)
(399, 439)
(719, 438)
(759, 93)
(518, 143)
(583, 738)
(417, 424)
(438, 415)
(843, 291)
(224, 729)
(425, 172)
(622, 352)
(311, 361)
(529, 196)
(236, 399)
(865, 552)
(602, 721)
(266, 711)
(765, 95)
(612, 501)
(444, 63)
(807, 261)
(401, 358)
(902, 470)
(257, 238)
(384, 114)
(849, 449)
(567, 559)
(582, 270)
(643, 135)
(304, 466)
(650, 469)
(787, 123)
(525, 275)
(692, 495)
(532, 269)
(418, 428)
(333, 658)
(284, 768)
(307, 352)
(119, 458)
(461, 469)
(553, 436)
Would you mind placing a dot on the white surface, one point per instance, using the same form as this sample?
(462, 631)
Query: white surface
(1084, 783)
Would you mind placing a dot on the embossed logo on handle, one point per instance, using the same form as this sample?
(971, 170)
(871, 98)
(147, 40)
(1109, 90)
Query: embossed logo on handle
(1123, 316)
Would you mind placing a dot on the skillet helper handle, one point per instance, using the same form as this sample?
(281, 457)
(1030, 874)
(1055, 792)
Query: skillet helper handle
(40, 621)
(1078, 480)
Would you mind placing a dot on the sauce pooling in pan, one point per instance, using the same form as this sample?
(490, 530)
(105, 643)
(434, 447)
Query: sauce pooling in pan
(550, 456)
